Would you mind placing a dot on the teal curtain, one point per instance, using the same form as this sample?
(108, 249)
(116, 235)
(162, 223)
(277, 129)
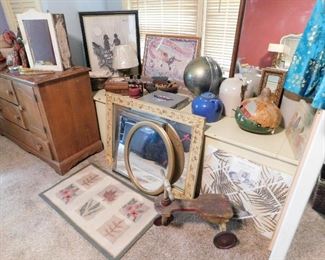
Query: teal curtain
(305, 76)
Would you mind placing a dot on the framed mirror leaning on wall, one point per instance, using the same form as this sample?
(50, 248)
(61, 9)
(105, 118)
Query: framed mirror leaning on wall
(273, 79)
(186, 132)
(263, 22)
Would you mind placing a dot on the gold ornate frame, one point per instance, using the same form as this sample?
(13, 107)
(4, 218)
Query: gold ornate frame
(170, 155)
(276, 95)
(196, 123)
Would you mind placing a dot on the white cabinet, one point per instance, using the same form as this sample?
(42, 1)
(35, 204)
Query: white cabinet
(274, 153)
(253, 171)
(270, 150)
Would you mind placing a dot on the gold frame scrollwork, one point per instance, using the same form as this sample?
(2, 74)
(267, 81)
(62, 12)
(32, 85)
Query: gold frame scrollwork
(276, 95)
(196, 123)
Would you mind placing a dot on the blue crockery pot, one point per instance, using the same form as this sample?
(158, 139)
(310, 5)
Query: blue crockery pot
(208, 106)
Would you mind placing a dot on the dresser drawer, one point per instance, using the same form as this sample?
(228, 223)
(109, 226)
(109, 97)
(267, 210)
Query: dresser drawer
(12, 113)
(37, 145)
(7, 91)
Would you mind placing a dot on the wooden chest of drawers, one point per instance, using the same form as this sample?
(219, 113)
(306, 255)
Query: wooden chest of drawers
(50, 115)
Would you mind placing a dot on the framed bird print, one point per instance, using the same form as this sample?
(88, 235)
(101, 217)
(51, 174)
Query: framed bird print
(168, 55)
(101, 32)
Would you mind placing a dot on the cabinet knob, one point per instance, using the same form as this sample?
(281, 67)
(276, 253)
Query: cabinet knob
(9, 92)
(39, 147)
(18, 118)
(21, 108)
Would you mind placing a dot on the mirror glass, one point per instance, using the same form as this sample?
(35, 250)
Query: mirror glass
(125, 121)
(272, 82)
(39, 41)
(266, 22)
(291, 43)
(179, 135)
(147, 157)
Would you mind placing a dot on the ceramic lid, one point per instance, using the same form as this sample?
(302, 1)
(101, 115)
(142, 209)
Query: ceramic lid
(208, 95)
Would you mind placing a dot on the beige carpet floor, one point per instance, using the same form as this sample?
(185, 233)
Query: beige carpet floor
(30, 229)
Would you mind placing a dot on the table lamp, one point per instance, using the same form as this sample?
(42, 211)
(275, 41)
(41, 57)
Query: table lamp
(124, 58)
(278, 50)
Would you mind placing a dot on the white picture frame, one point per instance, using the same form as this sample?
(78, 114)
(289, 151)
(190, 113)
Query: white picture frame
(27, 21)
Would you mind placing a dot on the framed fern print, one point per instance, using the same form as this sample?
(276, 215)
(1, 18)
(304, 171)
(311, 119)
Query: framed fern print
(110, 214)
(101, 32)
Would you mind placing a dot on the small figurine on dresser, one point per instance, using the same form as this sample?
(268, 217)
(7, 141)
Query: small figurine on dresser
(18, 55)
(259, 115)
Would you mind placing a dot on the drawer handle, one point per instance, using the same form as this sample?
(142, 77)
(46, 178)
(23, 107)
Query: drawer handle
(39, 147)
(10, 93)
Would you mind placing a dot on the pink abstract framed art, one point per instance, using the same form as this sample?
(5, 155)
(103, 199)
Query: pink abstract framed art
(168, 55)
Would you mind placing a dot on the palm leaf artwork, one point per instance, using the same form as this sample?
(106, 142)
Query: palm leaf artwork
(206, 178)
(262, 201)
(270, 176)
(218, 180)
(90, 208)
(241, 212)
(280, 191)
(205, 189)
(208, 159)
(266, 224)
(221, 155)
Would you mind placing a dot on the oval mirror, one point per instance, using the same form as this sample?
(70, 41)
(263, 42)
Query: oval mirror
(149, 157)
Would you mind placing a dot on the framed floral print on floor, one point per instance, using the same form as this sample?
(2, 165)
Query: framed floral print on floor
(101, 32)
(168, 55)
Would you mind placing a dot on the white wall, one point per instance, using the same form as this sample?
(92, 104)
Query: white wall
(70, 10)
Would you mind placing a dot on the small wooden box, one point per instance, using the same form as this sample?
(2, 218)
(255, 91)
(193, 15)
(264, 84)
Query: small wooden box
(118, 87)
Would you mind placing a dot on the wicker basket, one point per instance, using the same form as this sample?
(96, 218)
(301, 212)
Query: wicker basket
(319, 193)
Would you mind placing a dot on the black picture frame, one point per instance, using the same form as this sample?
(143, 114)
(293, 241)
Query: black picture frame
(94, 27)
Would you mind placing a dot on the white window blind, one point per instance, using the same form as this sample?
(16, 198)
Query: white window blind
(13, 7)
(212, 20)
(219, 31)
(166, 17)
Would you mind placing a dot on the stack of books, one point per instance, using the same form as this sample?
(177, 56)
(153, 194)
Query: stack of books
(166, 99)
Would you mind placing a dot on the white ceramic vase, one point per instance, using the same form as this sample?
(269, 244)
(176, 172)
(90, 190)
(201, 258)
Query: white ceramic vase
(230, 94)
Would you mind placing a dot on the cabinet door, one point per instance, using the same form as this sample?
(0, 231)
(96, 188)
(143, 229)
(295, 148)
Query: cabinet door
(7, 92)
(29, 109)
(11, 112)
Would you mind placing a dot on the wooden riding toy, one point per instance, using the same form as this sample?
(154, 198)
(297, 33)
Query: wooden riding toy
(214, 208)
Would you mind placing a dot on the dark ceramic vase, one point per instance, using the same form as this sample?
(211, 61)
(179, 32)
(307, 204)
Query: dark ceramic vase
(208, 106)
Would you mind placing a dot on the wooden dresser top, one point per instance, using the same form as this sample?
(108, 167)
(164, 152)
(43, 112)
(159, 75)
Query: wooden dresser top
(39, 79)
